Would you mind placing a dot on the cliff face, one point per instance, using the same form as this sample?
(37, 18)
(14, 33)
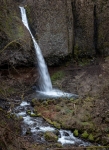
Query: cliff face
(52, 26)
(70, 26)
(83, 26)
(61, 27)
(91, 19)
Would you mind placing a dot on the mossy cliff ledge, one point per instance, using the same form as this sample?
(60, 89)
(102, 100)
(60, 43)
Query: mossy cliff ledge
(15, 41)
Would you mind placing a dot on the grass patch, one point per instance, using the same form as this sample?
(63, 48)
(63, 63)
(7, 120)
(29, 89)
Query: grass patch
(57, 76)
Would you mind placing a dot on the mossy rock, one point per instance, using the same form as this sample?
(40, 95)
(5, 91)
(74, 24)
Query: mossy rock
(58, 145)
(50, 136)
(85, 135)
(91, 137)
(34, 101)
(28, 112)
(33, 115)
(57, 125)
(54, 123)
(75, 132)
(28, 132)
(1, 109)
(39, 114)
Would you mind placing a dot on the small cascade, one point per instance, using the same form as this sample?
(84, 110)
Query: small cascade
(45, 85)
(37, 126)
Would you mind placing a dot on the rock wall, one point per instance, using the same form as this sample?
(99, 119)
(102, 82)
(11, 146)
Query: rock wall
(83, 27)
(102, 10)
(61, 27)
(91, 34)
(53, 27)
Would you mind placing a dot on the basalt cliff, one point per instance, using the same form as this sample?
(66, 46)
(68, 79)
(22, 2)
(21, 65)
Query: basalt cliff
(77, 28)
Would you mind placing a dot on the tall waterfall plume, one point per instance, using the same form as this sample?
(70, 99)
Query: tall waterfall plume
(45, 82)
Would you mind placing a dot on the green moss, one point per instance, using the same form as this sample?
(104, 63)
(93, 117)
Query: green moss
(76, 51)
(1, 109)
(75, 132)
(58, 108)
(8, 116)
(28, 12)
(57, 76)
(88, 124)
(33, 100)
(50, 136)
(72, 99)
(33, 115)
(55, 124)
(85, 134)
(28, 112)
(45, 103)
(59, 145)
(90, 137)
(39, 114)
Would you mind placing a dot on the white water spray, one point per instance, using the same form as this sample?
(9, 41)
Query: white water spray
(45, 81)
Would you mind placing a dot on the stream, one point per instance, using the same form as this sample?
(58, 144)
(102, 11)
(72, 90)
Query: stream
(37, 126)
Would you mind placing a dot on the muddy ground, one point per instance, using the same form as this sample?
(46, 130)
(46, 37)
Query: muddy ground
(87, 116)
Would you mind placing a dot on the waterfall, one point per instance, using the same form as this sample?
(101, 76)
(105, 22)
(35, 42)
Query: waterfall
(45, 81)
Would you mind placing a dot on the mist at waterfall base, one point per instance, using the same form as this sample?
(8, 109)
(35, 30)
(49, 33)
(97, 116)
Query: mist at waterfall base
(45, 85)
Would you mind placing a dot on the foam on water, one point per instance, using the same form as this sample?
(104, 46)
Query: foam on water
(44, 129)
(63, 141)
(57, 93)
(70, 139)
(21, 114)
(24, 103)
(28, 120)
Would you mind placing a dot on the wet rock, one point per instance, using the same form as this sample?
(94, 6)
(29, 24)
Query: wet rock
(105, 140)
(4, 104)
(56, 132)
(50, 136)
(33, 115)
(37, 128)
(65, 134)
(58, 145)
(28, 132)
(28, 112)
